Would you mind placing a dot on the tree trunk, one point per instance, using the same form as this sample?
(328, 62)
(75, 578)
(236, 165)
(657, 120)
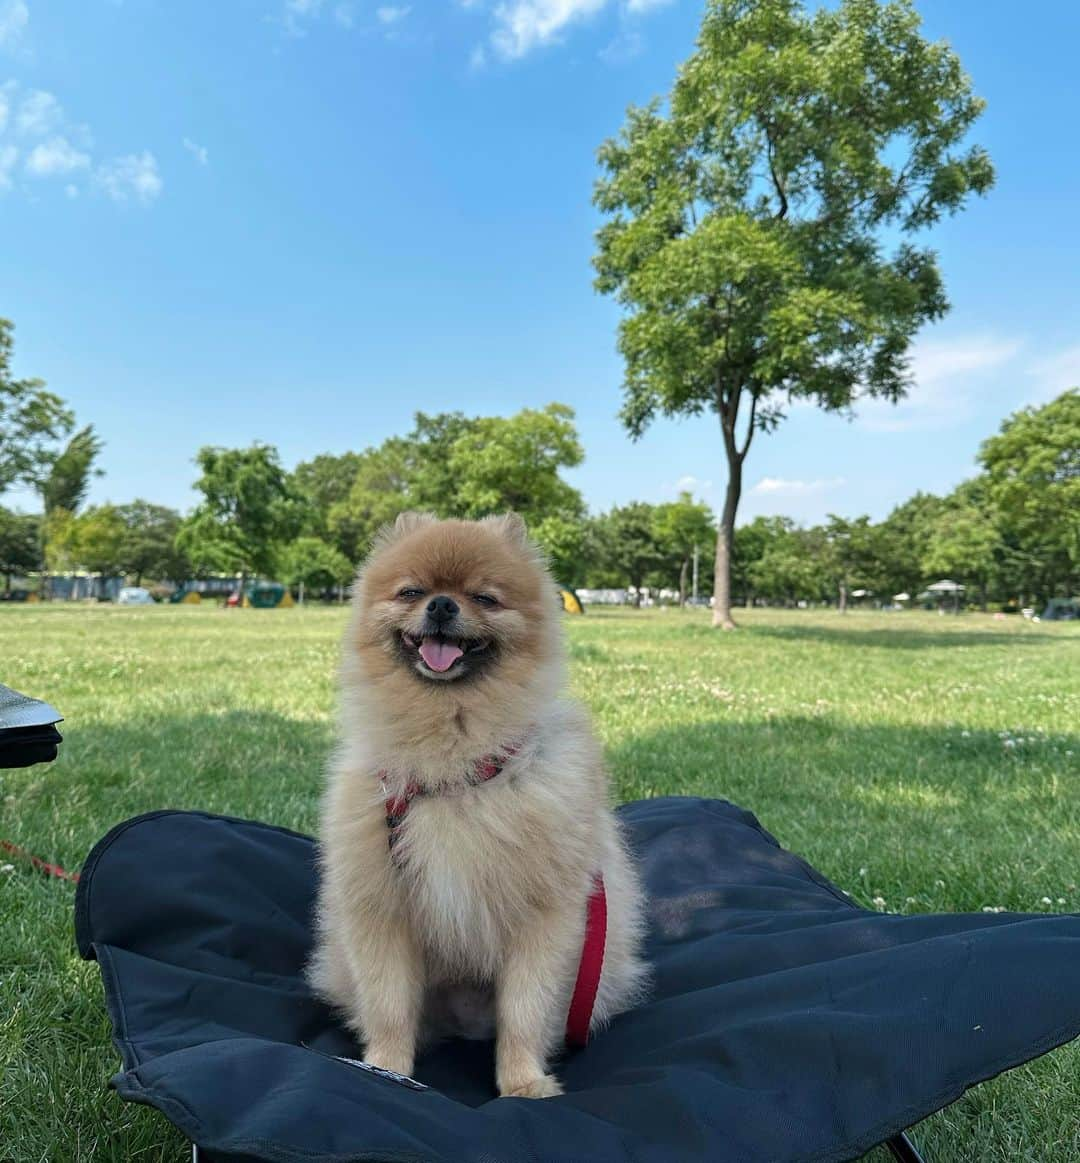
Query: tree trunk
(637, 594)
(682, 581)
(725, 539)
(301, 591)
(842, 606)
(138, 578)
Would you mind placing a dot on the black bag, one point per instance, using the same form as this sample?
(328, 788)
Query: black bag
(27, 730)
(784, 1022)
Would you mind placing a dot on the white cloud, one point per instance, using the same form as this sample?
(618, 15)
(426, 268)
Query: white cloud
(51, 145)
(627, 44)
(688, 484)
(946, 377)
(523, 25)
(296, 12)
(198, 152)
(520, 26)
(392, 13)
(55, 156)
(782, 487)
(131, 177)
(1054, 374)
(14, 17)
(344, 16)
(39, 113)
(9, 155)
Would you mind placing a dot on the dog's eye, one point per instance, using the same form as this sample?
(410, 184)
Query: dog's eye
(409, 593)
(485, 599)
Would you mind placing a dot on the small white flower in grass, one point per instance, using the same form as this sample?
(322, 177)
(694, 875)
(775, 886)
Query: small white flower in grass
(965, 734)
(7, 867)
(1061, 900)
(993, 908)
(863, 871)
(1046, 901)
(1010, 742)
(878, 903)
(939, 884)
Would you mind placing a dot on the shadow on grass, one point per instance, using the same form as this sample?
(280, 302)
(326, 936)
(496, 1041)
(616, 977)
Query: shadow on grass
(849, 633)
(254, 764)
(916, 804)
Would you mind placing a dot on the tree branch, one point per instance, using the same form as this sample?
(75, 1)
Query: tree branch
(781, 214)
(750, 428)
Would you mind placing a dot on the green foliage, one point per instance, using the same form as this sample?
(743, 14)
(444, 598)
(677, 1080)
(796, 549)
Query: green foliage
(20, 547)
(680, 527)
(247, 508)
(149, 543)
(67, 478)
(324, 482)
(31, 420)
(98, 539)
(315, 564)
(1033, 480)
(627, 545)
(458, 466)
(747, 220)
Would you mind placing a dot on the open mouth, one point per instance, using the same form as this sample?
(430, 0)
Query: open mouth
(441, 655)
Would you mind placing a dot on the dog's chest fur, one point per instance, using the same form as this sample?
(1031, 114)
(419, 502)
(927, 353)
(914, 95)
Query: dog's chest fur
(474, 864)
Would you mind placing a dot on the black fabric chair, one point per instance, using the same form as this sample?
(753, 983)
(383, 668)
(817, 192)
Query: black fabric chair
(784, 1024)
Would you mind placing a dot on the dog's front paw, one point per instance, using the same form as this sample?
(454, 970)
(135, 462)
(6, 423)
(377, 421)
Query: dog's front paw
(385, 1058)
(546, 1086)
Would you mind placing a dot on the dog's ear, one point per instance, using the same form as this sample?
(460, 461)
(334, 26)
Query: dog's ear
(409, 522)
(510, 526)
(405, 524)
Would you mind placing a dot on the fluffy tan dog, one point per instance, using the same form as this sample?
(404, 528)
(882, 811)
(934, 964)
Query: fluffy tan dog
(472, 907)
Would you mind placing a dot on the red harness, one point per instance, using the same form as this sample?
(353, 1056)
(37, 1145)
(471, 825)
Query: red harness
(487, 767)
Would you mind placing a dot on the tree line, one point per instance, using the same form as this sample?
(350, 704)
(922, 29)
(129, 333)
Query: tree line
(1011, 533)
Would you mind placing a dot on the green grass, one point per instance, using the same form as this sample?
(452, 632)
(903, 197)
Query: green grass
(930, 763)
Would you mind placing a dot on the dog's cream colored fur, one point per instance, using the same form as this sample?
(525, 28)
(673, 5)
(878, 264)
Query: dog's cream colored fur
(484, 914)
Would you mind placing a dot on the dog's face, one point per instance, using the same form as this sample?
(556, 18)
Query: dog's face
(456, 601)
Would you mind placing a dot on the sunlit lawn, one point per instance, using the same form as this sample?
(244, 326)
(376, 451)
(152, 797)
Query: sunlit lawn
(924, 763)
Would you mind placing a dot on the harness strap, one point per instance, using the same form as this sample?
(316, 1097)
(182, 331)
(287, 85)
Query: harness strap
(397, 806)
(579, 1018)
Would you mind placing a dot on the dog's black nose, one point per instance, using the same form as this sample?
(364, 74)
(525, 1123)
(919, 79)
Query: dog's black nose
(442, 608)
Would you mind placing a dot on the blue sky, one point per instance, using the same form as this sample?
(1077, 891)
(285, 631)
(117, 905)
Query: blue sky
(300, 221)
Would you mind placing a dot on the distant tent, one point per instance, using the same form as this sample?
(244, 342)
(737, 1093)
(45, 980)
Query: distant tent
(182, 595)
(1061, 610)
(905, 597)
(572, 604)
(267, 596)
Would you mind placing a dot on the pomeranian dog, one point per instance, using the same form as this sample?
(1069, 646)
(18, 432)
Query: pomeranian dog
(467, 842)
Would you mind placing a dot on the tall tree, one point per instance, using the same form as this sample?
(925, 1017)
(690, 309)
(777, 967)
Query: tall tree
(20, 550)
(247, 508)
(149, 543)
(682, 528)
(853, 557)
(98, 544)
(325, 482)
(963, 544)
(1033, 480)
(629, 547)
(513, 462)
(748, 221)
(66, 479)
(311, 563)
(31, 421)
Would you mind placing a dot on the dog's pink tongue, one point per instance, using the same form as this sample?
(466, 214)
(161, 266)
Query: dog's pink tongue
(439, 655)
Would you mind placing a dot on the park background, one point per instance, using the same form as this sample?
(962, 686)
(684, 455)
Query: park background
(274, 273)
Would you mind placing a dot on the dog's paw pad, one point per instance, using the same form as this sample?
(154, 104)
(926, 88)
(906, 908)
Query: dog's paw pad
(546, 1086)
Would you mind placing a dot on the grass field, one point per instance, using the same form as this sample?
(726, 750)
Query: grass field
(922, 763)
